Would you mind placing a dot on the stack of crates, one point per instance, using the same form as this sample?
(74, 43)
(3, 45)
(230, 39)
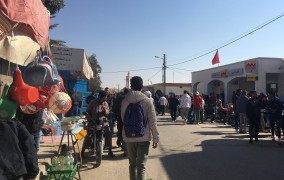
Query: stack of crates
(83, 101)
(62, 174)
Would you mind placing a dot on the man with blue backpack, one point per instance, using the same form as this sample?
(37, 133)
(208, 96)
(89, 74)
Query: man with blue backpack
(139, 118)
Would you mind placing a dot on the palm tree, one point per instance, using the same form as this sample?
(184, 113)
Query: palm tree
(54, 7)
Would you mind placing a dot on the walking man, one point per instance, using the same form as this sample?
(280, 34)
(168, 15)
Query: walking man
(253, 114)
(241, 108)
(163, 104)
(138, 147)
(197, 106)
(173, 105)
(185, 104)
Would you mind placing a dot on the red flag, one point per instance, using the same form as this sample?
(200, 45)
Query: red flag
(215, 60)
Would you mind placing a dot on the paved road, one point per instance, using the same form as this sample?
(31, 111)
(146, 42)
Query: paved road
(196, 152)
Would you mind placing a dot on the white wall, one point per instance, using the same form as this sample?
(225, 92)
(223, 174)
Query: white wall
(264, 65)
(176, 89)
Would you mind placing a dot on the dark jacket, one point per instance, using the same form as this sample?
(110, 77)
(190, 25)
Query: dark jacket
(241, 104)
(117, 107)
(33, 122)
(275, 106)
(253, 109)
(18, 156)
(110, 100)
(90, 98)
(173, 103)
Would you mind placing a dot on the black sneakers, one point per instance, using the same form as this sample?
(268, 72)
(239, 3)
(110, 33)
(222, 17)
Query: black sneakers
(110, 154)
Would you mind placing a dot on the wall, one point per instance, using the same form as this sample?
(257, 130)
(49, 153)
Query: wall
(201, 79)
(177, 89)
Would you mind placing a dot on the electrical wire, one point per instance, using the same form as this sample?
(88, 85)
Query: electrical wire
(227, 43)
(233, 41)
(182, 69)
(186, 75)
(154, 75)
(131, 70)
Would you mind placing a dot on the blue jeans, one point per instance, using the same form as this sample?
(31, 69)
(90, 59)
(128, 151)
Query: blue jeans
(137, 156)
(36, 138)
(237, 120)
(110, 118)
(197, 115)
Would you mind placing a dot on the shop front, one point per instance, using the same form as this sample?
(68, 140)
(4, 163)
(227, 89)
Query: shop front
(260, 74)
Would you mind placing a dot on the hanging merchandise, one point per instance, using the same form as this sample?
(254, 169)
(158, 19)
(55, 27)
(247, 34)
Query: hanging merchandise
(60, 103)
(41, 72)
(50, 90)
(35, 107)
(7, 107)
(22, 93)
(49, 117)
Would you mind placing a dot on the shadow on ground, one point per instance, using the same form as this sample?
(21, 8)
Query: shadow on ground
(227, 159)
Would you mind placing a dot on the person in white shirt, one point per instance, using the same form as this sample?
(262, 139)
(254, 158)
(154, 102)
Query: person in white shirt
(149, 95)
(163, 103)
(185, 104)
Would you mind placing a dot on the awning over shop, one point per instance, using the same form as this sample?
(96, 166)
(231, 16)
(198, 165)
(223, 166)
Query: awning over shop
(73, 60)
(24, 27)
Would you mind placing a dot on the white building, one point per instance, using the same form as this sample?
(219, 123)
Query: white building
(175, 88)
(259, 74)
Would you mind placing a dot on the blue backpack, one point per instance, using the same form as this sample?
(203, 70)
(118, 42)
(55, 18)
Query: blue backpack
(134, 120)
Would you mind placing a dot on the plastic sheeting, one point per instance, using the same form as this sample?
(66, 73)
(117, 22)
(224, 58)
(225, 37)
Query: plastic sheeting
(24, 26)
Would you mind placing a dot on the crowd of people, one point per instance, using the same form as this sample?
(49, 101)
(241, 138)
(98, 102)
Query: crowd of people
(249, 112)
(258, 112)
(253, 113)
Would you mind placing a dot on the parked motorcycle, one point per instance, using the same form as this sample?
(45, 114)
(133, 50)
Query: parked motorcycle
(96, 135)
(226, 114)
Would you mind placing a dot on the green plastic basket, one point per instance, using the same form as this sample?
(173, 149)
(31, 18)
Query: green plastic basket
(62, 174)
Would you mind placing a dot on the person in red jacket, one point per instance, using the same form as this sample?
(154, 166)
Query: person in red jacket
(197, 106)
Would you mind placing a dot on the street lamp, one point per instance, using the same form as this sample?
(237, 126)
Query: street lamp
(164, 71)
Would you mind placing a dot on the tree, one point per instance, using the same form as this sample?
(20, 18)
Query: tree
(54, 7)
(95, 82)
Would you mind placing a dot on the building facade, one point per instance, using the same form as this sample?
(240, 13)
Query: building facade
(171, 88)
(259, 74)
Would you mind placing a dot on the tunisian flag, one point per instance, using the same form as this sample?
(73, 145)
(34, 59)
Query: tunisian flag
(215, 60)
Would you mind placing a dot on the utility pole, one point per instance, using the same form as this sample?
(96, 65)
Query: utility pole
(164, 73)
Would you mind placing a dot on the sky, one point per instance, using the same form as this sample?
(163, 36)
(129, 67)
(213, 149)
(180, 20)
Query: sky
(126, 35)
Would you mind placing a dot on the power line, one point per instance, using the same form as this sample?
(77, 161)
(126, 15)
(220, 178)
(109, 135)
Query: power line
(237, 39)
(154, 75)
(131, 70)
(210, 51)
(179, 72)
(182, 69)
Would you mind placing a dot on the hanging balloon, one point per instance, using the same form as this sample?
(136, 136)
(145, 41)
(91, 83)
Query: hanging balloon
(60, 103)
